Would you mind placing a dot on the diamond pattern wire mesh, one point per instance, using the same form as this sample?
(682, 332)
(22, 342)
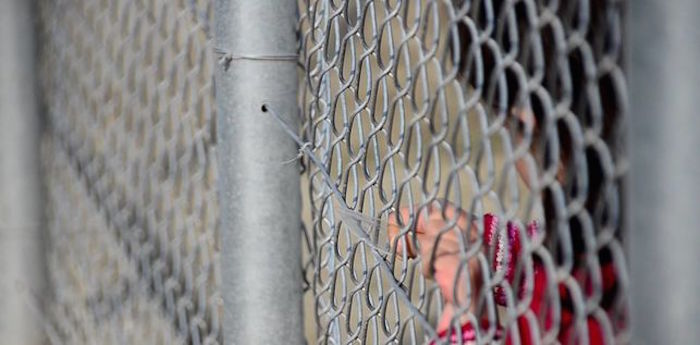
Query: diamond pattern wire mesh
(500, 110)
(130, 168)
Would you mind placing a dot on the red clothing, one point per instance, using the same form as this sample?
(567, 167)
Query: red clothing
(507, 262)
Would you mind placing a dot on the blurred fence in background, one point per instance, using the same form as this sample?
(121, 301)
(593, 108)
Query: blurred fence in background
(130, 171)
(172, 216)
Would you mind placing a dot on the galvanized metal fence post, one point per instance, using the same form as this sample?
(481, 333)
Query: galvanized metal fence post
(664, 171)
(22, 269)
(259, 193)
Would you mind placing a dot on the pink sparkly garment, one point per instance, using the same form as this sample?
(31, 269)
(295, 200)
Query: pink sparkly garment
(507, 252)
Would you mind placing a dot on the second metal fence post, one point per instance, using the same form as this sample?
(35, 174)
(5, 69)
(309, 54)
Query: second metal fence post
(259, 193)
(664, 169)
(22, 262)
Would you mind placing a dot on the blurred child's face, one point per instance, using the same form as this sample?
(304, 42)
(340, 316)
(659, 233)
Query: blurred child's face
(524, 122)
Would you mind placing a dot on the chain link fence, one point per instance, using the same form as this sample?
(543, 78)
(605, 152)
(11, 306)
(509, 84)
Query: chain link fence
(510, 113)
(131, 171)
(462, 169)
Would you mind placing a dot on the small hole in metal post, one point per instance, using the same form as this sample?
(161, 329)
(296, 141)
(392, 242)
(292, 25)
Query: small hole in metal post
(264, 108)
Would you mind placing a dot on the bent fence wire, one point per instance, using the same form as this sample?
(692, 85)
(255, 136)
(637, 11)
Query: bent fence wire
(513, 112)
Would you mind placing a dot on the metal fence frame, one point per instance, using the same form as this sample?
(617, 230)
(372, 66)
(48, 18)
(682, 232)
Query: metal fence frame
(22, 268)
(664, 83)
(259, 197)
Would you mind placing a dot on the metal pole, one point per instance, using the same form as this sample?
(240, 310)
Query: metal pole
(259, 194)
(22, 269)
(664, 51)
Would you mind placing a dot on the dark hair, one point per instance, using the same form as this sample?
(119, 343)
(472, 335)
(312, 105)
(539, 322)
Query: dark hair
(579, 99)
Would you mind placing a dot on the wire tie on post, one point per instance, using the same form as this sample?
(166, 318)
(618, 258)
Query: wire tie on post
(226, 58)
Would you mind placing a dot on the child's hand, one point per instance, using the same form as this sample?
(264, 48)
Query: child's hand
(438, 230)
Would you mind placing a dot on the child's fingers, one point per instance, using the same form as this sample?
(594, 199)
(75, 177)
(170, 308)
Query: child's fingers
(394, 228)
(427, 227)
